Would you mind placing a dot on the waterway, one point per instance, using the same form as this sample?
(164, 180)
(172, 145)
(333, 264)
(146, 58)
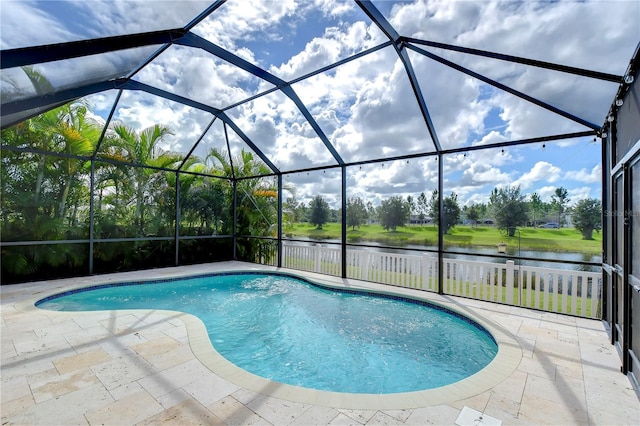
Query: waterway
(481, 254)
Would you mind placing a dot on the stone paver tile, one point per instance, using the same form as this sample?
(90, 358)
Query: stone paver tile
(95, 319)
(315, 415)
(117, 347)
(157, 346)
(88, 337)
(400, 415)
(53, 345)
(175, 397)
(16, 407)
(164, 360)
(122, 370)
(210, 388)
(477, 402)
(14, 388)
(120, 323)
(7, 349)
(19, 322)
(383, 419)
(561, 328)
(434, 415)
(512, 387)
(43, 376)
(234, 413)
(65, 325)
(567, 391)
(186, 413)
(276, 411)
(543, 411)
(174, 378)
(613, 417)
(569, 338)
(556, 348)
(82, 360)
(245, 395)
(126, 411)
(603, 356)
(501, 406)
(600, 396)
(125, 390)
(528, 346)
(65, 410)
(540, 366)
(54, 387)
(343, 420)
(178, 333)
(360, 416)
(568, 368)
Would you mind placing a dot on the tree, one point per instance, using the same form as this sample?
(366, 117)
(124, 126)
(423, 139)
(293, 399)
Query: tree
(587, 216)
(452, 210)
(473, 213)
(394, 212)
(319, 211)
(559, 202)
(412, 205)
(140, 148)
(290, 209)
(356, 212)
(509, 208)
(536, 206)
(372, 213)
(422, 206)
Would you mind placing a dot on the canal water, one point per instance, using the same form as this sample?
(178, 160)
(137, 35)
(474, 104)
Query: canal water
(480, 254)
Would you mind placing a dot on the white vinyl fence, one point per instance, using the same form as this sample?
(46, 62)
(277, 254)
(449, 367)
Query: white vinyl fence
(549, 289)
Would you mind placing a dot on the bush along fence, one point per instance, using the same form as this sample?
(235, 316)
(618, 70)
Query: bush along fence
(563, 291)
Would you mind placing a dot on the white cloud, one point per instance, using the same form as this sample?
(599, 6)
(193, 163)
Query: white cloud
(581, 193)
(367, 107)
(540, 172)
(585, 176)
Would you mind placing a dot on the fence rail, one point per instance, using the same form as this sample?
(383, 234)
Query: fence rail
(550, 289)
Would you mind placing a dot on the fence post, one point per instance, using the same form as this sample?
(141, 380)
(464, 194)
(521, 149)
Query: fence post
(425, 271)
(510, 273)
(317, 258)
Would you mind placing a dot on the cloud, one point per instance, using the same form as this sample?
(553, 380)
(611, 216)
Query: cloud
(586, 176)
(187, 123)
(366, 107)
(582, 193)
(22, 24)
(540, 172)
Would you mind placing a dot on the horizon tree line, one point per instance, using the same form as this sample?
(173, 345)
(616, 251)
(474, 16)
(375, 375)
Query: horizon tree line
(508, 208)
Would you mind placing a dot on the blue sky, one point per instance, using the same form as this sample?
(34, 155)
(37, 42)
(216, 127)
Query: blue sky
(366, 107)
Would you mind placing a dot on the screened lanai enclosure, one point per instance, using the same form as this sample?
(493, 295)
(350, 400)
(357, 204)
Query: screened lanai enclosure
(482, 149)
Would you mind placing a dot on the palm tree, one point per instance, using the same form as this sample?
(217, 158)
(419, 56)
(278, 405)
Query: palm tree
(140, 149)
(78, 136)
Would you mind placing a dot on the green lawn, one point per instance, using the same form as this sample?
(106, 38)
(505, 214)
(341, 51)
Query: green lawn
(558, 240)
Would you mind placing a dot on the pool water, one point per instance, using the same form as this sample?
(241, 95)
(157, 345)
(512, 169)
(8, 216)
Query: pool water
(288, 330)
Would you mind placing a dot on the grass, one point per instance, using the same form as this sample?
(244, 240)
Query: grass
(554, 240)
(489, 292)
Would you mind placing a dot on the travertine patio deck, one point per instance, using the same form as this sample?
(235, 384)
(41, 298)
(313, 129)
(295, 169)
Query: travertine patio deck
(126, 368)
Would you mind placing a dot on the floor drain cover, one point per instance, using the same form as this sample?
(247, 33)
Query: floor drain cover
(470, 417)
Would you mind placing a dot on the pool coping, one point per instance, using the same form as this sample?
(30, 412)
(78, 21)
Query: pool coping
(500, 368)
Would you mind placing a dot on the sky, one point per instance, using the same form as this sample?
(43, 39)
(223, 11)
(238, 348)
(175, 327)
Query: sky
(365, 108)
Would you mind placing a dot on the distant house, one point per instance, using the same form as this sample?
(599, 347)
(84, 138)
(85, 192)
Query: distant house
(414, 219)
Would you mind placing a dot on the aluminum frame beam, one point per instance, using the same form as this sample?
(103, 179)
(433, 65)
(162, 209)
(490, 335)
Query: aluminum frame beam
(193, 40)
(504, 87)
(23, 56)
(518, 59)
(385, 26)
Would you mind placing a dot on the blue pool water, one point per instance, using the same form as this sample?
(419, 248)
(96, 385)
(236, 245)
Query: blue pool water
(291, 331)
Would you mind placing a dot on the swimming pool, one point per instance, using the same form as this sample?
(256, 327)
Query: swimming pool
(292, 331)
